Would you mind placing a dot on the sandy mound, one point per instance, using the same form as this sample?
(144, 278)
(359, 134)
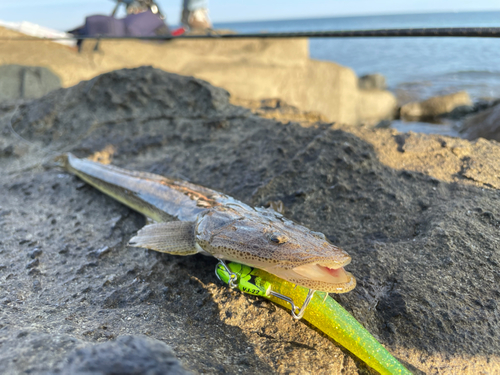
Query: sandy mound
(425, 243)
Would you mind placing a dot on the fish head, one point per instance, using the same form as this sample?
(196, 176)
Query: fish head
(264, 239)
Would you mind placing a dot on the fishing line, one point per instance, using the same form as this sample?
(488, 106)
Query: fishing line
(46, 152)
(461, 32)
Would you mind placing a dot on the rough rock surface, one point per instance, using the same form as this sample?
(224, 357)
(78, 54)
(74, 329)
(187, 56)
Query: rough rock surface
(452, 160)
(485, 124)
(128, 355)
(426, 250)
(278, 109)
(250, 69)
(435, 106)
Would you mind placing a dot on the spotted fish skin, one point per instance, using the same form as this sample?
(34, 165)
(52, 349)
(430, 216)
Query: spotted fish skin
(157, 197)
(219, 225)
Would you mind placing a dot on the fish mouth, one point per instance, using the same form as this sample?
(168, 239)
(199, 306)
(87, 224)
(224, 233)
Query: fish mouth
(331, 279)
(323, 273)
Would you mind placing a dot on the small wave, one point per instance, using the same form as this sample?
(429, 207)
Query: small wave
(472, 74)
(412, 84)
(471, 78)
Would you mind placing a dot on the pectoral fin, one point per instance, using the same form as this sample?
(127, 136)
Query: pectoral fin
(175, 237)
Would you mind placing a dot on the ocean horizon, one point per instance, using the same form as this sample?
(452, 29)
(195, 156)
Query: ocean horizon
(343, 16)
(415, 68)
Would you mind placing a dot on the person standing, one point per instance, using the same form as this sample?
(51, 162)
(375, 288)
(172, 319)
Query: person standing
(195, 15)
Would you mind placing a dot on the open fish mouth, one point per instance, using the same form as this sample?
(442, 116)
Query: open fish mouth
(323, 273)
(329, 278)
(324, 278)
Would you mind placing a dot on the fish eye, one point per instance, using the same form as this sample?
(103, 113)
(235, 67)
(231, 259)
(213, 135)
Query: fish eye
(277, 238)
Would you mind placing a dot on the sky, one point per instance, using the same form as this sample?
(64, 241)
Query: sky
(68, 14)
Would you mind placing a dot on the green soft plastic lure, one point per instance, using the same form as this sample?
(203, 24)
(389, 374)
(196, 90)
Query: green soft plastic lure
(325, 314)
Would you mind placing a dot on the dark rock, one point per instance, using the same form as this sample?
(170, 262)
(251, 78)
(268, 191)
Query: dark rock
(64, 250)
(374, 81)
(33, 263)
(37, 285)
(34, 272)
(436, 106)
(384, 124)
(485, 124)
(36, 352)
(85, 267)
(128, 355)
(460, 112)
(7, 151)
(35, 253)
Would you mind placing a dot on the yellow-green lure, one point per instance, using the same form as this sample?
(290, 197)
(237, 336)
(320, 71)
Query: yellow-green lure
(326, 315)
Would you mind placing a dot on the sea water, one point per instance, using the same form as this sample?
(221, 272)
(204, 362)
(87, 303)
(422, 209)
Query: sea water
(415, 68)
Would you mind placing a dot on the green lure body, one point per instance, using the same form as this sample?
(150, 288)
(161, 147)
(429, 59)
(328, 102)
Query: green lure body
(328, 316)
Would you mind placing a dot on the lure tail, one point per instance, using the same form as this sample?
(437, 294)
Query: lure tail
(329, 317)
